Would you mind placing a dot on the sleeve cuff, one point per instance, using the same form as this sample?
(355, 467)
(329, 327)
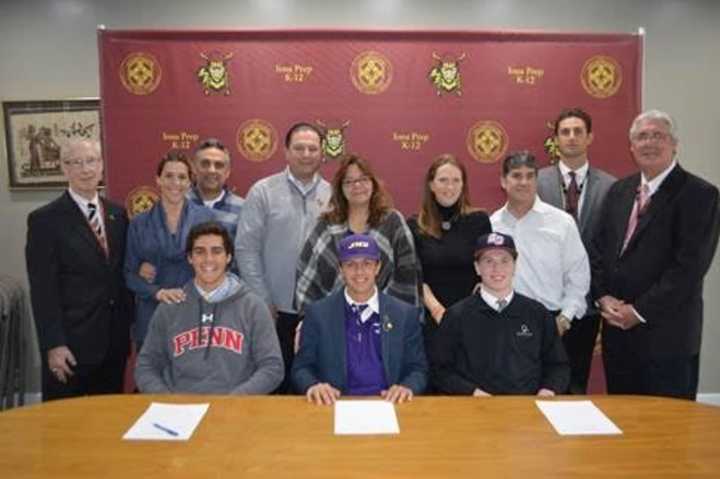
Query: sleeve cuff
(639, 317)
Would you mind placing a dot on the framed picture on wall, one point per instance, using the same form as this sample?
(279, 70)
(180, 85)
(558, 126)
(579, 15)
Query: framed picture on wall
(37, 131)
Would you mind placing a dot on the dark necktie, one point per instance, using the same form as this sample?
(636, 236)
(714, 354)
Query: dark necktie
(572, 196)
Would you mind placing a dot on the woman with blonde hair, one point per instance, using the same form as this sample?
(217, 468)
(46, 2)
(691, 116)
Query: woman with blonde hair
(359, 204)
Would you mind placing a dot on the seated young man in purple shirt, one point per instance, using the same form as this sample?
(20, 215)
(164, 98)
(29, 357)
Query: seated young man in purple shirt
(359, 341)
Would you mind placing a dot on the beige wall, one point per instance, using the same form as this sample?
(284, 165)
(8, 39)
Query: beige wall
(48, 51)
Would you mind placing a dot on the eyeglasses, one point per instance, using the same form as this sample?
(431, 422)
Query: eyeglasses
(78, 163)
(650, 136)
(362, 181)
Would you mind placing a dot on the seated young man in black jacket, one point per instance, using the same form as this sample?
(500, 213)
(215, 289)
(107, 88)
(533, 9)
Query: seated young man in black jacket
(498, 341)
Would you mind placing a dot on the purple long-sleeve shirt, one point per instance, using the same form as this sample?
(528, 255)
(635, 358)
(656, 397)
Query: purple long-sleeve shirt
(365, 370)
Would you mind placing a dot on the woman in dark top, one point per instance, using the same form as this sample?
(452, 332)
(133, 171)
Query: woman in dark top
(445, 232)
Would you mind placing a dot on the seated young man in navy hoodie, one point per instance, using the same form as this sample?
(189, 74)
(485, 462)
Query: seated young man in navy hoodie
(220, 340)
(359, 341)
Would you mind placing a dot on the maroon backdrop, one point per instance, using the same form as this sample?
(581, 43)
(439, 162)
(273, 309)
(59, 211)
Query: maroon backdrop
(500, 92)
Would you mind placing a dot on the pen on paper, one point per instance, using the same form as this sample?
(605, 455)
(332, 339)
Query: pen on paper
(165, 429)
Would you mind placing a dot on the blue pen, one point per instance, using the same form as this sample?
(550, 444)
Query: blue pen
(165, 429)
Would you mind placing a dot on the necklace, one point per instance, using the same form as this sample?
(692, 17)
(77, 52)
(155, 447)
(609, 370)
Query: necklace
(447, 224)
(448, 215)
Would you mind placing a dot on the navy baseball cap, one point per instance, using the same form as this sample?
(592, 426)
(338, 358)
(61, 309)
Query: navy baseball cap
(358, 246)
(494, 241)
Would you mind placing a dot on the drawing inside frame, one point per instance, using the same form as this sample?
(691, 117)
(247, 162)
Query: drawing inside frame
(37, 131)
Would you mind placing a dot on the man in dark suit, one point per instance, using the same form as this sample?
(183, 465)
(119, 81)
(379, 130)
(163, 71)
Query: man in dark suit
(657, 237)
(580, 189)
(74, 254)
(358, 341)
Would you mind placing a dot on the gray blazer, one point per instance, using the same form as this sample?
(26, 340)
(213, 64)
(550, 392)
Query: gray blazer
(597, 184)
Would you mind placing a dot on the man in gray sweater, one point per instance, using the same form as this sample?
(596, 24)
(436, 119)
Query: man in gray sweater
(279, 213)
(220, 340)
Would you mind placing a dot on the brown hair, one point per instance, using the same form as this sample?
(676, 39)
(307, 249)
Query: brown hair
(429, 217)
(519, 159)
(209, 228)
(380, 201)
(574, 113)
(174, 155)
(302, 126)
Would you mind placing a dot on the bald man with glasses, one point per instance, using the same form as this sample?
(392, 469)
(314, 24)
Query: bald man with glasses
(74, 253)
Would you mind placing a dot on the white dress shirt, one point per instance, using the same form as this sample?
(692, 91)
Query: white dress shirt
(552, 265)
(655, 183)
(373, 305)
(211, 203)
(493, 300)
(83, 205)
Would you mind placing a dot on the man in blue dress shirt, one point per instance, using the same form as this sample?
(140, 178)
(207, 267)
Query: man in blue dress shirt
(211, 166)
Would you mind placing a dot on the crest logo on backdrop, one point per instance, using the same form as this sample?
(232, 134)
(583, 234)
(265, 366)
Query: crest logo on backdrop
(601, 76)
(445, 74)
(333, 144)
(371, 72)
(256, 140)
(550, 145)
(140, 73)
(487, 141)
(214, 76)
(140, 200)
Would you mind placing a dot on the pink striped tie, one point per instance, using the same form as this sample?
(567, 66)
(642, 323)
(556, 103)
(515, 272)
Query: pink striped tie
(96, 226)
(642, 198)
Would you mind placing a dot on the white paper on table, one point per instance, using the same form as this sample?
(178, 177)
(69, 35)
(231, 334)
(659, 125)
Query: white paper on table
(160, 421)
(365, 417)
(577, 418)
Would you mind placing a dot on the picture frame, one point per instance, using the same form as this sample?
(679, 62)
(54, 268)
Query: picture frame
(36, 131)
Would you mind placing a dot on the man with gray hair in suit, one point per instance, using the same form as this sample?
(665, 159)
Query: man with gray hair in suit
(82, 308)
(580, 189)
(655, 243)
